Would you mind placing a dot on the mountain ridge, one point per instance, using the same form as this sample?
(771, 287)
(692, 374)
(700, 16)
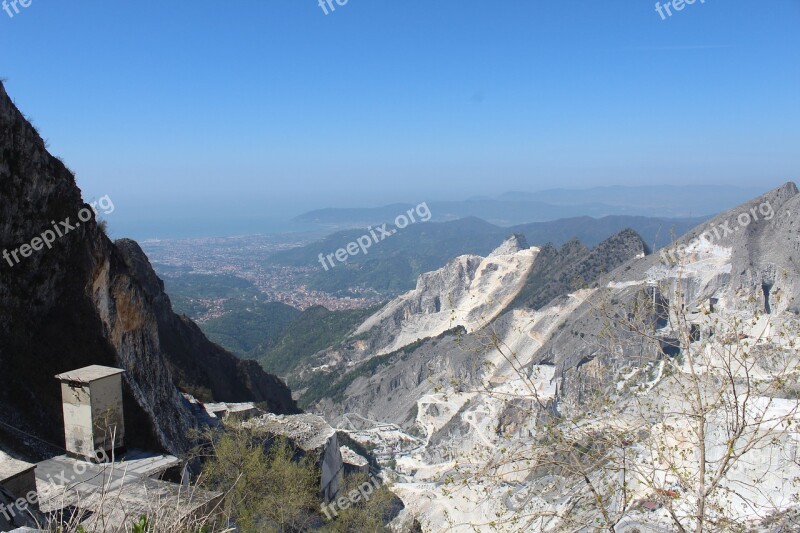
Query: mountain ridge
(520, 207)
(465, 399)
(394, 265)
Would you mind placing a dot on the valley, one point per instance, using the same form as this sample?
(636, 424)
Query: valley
(400, 267)
(451, 384)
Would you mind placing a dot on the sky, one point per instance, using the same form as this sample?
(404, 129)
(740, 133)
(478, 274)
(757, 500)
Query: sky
(192, 110)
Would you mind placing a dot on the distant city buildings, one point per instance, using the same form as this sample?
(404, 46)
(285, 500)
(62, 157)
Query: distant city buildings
(245, 258)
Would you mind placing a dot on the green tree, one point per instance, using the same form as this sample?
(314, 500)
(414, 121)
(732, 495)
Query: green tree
(267, 491)
(368, 514)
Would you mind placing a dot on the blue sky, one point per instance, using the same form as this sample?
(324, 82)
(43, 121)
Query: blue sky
(188, 108)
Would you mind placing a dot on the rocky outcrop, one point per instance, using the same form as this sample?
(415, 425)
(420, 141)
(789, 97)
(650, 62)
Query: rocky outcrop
(512, 245)
(83, 300)
(562, 337)
(469, 291)
(559, 271)
(195, 362)
(313, 437)
(745, 256)
(392, 392)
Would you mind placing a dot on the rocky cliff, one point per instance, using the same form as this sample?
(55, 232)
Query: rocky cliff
(81, 299)
(444, 406)
(513, 282)
(470, 291)
(741, 259)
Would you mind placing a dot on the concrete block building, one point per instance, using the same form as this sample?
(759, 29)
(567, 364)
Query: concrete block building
(93, 411)
(17, 477)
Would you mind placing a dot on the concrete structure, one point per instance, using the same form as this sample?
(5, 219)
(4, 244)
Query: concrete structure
(93, 414)
(315, 437)
(17, 477)
(238, 411)
(110, 496)
(114, 487)
(17, 484)
(199, 412)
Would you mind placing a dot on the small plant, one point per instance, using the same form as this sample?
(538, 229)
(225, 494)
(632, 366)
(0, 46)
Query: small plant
(141, 526)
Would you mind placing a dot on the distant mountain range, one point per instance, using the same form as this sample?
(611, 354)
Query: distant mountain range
(513, 208)
(689, 200)
(393, 265)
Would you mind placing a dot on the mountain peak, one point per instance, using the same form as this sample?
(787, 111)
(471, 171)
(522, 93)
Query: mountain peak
(513, 244)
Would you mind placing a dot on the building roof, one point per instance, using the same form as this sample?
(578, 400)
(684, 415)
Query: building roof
(89, 374)
(110, 496)
(11, 468)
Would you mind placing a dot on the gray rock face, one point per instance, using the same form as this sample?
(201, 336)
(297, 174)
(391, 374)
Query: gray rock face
(515, 243)
(315, 437)
(195, 362)
(756, 261)
(560, 337)
(617, 270)
(88, 301)
(391, 392)
(469, 291)
(559, 271)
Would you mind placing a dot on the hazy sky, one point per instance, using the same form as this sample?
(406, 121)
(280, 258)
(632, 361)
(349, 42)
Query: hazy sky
(195, 107)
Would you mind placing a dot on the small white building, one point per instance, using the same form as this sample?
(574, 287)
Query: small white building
(17, 477)
(93, 414)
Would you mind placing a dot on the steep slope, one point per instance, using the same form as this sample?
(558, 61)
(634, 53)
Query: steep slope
(314, 330)
(394, 388)
(469, 292)
(84, 300)
(463, 401)
(560, 271)
(435, 408)
(749, 264)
